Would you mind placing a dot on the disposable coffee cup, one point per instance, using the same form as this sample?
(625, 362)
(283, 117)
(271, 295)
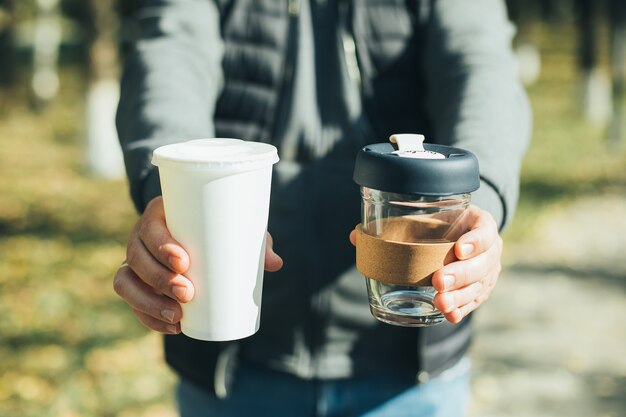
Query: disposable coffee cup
(216, 194)
(413, 209)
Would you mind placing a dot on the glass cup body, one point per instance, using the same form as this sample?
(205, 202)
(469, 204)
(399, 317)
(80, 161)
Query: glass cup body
(442, 218)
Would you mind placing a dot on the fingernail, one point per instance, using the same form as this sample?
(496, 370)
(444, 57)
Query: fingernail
(171, 329)
(448, 302)
(168, 315)
(179, 292)
(467, 249)
(175, 261)
(448, 282)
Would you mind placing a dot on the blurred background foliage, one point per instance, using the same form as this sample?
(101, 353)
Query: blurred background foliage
(68, 346)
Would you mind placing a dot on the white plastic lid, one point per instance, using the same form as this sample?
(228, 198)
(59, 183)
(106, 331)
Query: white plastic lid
(216, 153)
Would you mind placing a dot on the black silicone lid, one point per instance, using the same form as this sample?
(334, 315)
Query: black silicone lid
(377, 167)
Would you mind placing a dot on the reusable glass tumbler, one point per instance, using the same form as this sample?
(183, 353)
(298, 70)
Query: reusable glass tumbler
(414, 203)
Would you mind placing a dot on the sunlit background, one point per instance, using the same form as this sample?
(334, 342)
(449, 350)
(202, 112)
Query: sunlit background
(550, 341)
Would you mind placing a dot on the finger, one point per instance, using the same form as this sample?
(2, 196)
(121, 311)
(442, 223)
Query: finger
(156, 275)
(447, 302)
(458, 226)
(489, 285)
(157, 325)
(483, 234)
(459, 274)
(141, 297)
(154, 234)
(353, 237)
(455, 315)
(273, 262)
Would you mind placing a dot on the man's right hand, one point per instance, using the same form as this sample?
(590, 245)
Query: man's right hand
(151, 280)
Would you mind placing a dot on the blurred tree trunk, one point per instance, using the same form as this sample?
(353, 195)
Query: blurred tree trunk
(47, 41)
(7, 50)
(596, 83)
(617, 128)
(526, 17)
(104, 157)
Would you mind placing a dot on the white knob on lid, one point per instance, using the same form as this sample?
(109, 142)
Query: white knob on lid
(411, 145)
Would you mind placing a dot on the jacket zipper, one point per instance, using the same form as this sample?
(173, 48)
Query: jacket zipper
(293, 13)
(350, 56)
(349, 47)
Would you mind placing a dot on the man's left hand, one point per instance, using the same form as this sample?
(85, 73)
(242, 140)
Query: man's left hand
(465, 284)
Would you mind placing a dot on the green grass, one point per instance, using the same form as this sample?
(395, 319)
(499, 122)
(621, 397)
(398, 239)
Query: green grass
(568, 157)
(70, 347)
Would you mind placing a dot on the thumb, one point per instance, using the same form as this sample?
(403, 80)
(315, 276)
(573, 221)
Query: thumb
(273, 262)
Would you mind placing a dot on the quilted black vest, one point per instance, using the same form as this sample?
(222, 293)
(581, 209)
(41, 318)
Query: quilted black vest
(260, 49)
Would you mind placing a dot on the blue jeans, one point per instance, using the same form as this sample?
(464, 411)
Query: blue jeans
(265, 393)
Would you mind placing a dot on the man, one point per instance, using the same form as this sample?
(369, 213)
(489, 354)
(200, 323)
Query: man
(319, 79)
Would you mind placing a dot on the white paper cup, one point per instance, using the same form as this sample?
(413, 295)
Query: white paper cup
(216, 194)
